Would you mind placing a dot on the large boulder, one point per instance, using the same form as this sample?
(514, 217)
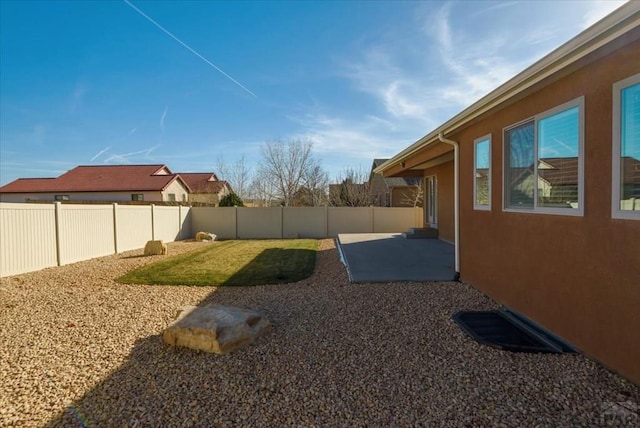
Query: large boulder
(215, 328)
(153, 248)
(204, 236)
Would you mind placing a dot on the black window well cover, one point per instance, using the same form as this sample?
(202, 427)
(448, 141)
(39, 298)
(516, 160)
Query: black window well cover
(504, 329)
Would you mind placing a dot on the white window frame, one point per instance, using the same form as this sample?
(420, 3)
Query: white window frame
(475, 177)
(134, 197)
(616, 212)
(579, 212)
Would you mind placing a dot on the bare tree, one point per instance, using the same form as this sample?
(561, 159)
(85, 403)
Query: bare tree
(352, 190)
(238, 175)
(317, 183)
(413, 196)
(286, 166)
(222, 168)
(262, 192)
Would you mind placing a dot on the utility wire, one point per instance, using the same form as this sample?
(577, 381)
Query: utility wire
(188, 47)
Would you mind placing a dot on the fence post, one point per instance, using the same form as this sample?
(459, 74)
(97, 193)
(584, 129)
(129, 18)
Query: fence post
(326, 221)
(57, 222)
(373, 224)
(179, 222)
(235, 221)
(115, 227)
(281, 222)
(153, 223)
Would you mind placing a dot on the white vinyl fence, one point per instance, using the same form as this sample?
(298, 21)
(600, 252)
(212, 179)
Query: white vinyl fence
(37, 236)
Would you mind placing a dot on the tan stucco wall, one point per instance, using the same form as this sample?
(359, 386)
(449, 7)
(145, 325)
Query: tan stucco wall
(177, 188)
(577, 276)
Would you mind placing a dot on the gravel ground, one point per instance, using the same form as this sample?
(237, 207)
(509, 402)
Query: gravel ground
(78, 349)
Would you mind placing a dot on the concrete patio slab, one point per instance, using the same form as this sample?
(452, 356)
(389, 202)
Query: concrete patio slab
(383, 257)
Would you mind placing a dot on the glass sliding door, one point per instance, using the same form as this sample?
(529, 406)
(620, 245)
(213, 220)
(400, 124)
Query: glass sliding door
(431, 201)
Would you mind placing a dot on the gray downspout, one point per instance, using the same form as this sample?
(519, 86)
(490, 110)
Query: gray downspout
(456, 197)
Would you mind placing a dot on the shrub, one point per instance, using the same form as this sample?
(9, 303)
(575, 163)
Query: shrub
(231, 200)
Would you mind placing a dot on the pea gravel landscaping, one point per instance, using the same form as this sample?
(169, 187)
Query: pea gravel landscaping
(78, 349)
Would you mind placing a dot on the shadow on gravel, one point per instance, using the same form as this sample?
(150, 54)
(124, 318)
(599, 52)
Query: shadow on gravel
(354, 355)
(160, 385)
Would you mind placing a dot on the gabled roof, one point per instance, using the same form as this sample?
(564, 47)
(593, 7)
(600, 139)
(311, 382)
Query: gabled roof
(203, 182)
(617, 24)
(559, 171)
(100, 178)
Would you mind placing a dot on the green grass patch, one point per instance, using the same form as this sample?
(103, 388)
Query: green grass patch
(259, 262)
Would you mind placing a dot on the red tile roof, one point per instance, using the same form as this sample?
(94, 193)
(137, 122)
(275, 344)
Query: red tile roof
(202, 183)
(105, 178)
(559, 171)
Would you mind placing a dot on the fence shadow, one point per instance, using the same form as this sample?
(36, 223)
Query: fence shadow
(275, 266)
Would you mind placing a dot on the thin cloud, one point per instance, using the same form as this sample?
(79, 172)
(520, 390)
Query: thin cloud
(596, 10)
(43, 170)
(193, 51)
(377, 74)
(351, 141)
(164, 115)
(39, 133)
(101, 152)
(133, 131)
(77, 97)
(474, 68)
(144, 154)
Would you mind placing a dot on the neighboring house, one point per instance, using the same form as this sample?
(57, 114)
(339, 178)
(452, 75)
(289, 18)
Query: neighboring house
(108, 183)
(538, 185)
(205, 187)
(394, 191)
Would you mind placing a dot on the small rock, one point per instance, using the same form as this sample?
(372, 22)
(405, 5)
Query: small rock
(205, 236)
(153, 248)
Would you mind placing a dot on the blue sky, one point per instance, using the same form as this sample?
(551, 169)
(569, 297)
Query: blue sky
(90, 82)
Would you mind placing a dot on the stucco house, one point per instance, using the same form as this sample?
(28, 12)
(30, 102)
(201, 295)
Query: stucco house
(108, 183)
(538, 184)
(205, 187)
(394, 191)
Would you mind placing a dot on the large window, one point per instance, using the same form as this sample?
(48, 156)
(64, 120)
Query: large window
(482, 173)
(544, 163)
(626, 148)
